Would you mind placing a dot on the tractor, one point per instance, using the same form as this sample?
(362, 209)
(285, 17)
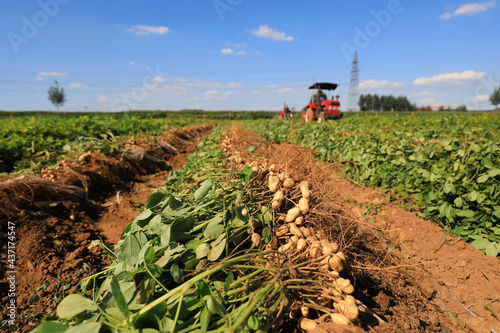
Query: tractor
(321, 108)
(286, 113)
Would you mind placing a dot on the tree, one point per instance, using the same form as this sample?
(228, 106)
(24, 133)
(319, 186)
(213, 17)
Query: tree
(375, 102)
(390, 103)
(461, 107)
(368, 102)
(495, 97)
(362, 103)
(57, 96)
(382, 102)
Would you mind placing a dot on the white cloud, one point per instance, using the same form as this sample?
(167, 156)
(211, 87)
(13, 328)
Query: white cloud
(285, 90)
(450, 78)
(213, 95)
(426, 101)
(156, 88)
(189, 100)
(473, 8)
(256, 92)
(272, 86)
(211, 92)
(143, 30)
(426, 93)
(159, 79)
(237, 45)
(52, 74)
(266, 32)
(231, 51)
(469, 9)
(227, 51)
(39, 78)
(102, 98)
(198, 83)
(446, 16)
(77, 85)
(131, 63)
(228, 92)
(234, 84)
(372, 84)
(479, 102)
(481, 98)
(176, 90)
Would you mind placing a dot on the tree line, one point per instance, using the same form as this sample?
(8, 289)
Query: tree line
(375, 102)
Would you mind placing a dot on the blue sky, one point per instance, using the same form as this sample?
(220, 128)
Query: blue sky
(244, 54)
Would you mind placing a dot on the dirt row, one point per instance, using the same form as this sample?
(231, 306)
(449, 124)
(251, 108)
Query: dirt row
(58, 213)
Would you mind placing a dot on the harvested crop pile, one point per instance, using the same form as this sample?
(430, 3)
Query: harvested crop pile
(320, 295)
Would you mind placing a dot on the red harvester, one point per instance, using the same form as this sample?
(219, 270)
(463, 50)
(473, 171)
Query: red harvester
(327, 109)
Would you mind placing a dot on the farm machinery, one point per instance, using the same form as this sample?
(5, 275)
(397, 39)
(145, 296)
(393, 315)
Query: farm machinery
(320, 107)
(286, 113)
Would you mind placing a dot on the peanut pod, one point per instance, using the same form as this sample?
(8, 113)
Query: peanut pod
(277, 200)
(295, 230)
(274, 183)
(292, 214)
(304, 189)
(304, 206)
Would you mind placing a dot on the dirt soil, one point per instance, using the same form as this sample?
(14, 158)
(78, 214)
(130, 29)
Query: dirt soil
(407, 270)
(412, 275)
(59, 213)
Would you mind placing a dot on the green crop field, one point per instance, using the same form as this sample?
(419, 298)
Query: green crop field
(449, 165)
(213, 248)
(32, 140)
(32, 143)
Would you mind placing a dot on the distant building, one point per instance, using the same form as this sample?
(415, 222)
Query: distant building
(433, 108)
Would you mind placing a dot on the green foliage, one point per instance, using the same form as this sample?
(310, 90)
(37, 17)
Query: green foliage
(219, 115)
(495, 97)
(74, 305)
(32, 143)
(57, 95)
(173, 269)
(375, 102)
(448, 165)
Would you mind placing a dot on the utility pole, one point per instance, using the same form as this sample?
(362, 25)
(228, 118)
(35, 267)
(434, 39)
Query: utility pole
(353, 89)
